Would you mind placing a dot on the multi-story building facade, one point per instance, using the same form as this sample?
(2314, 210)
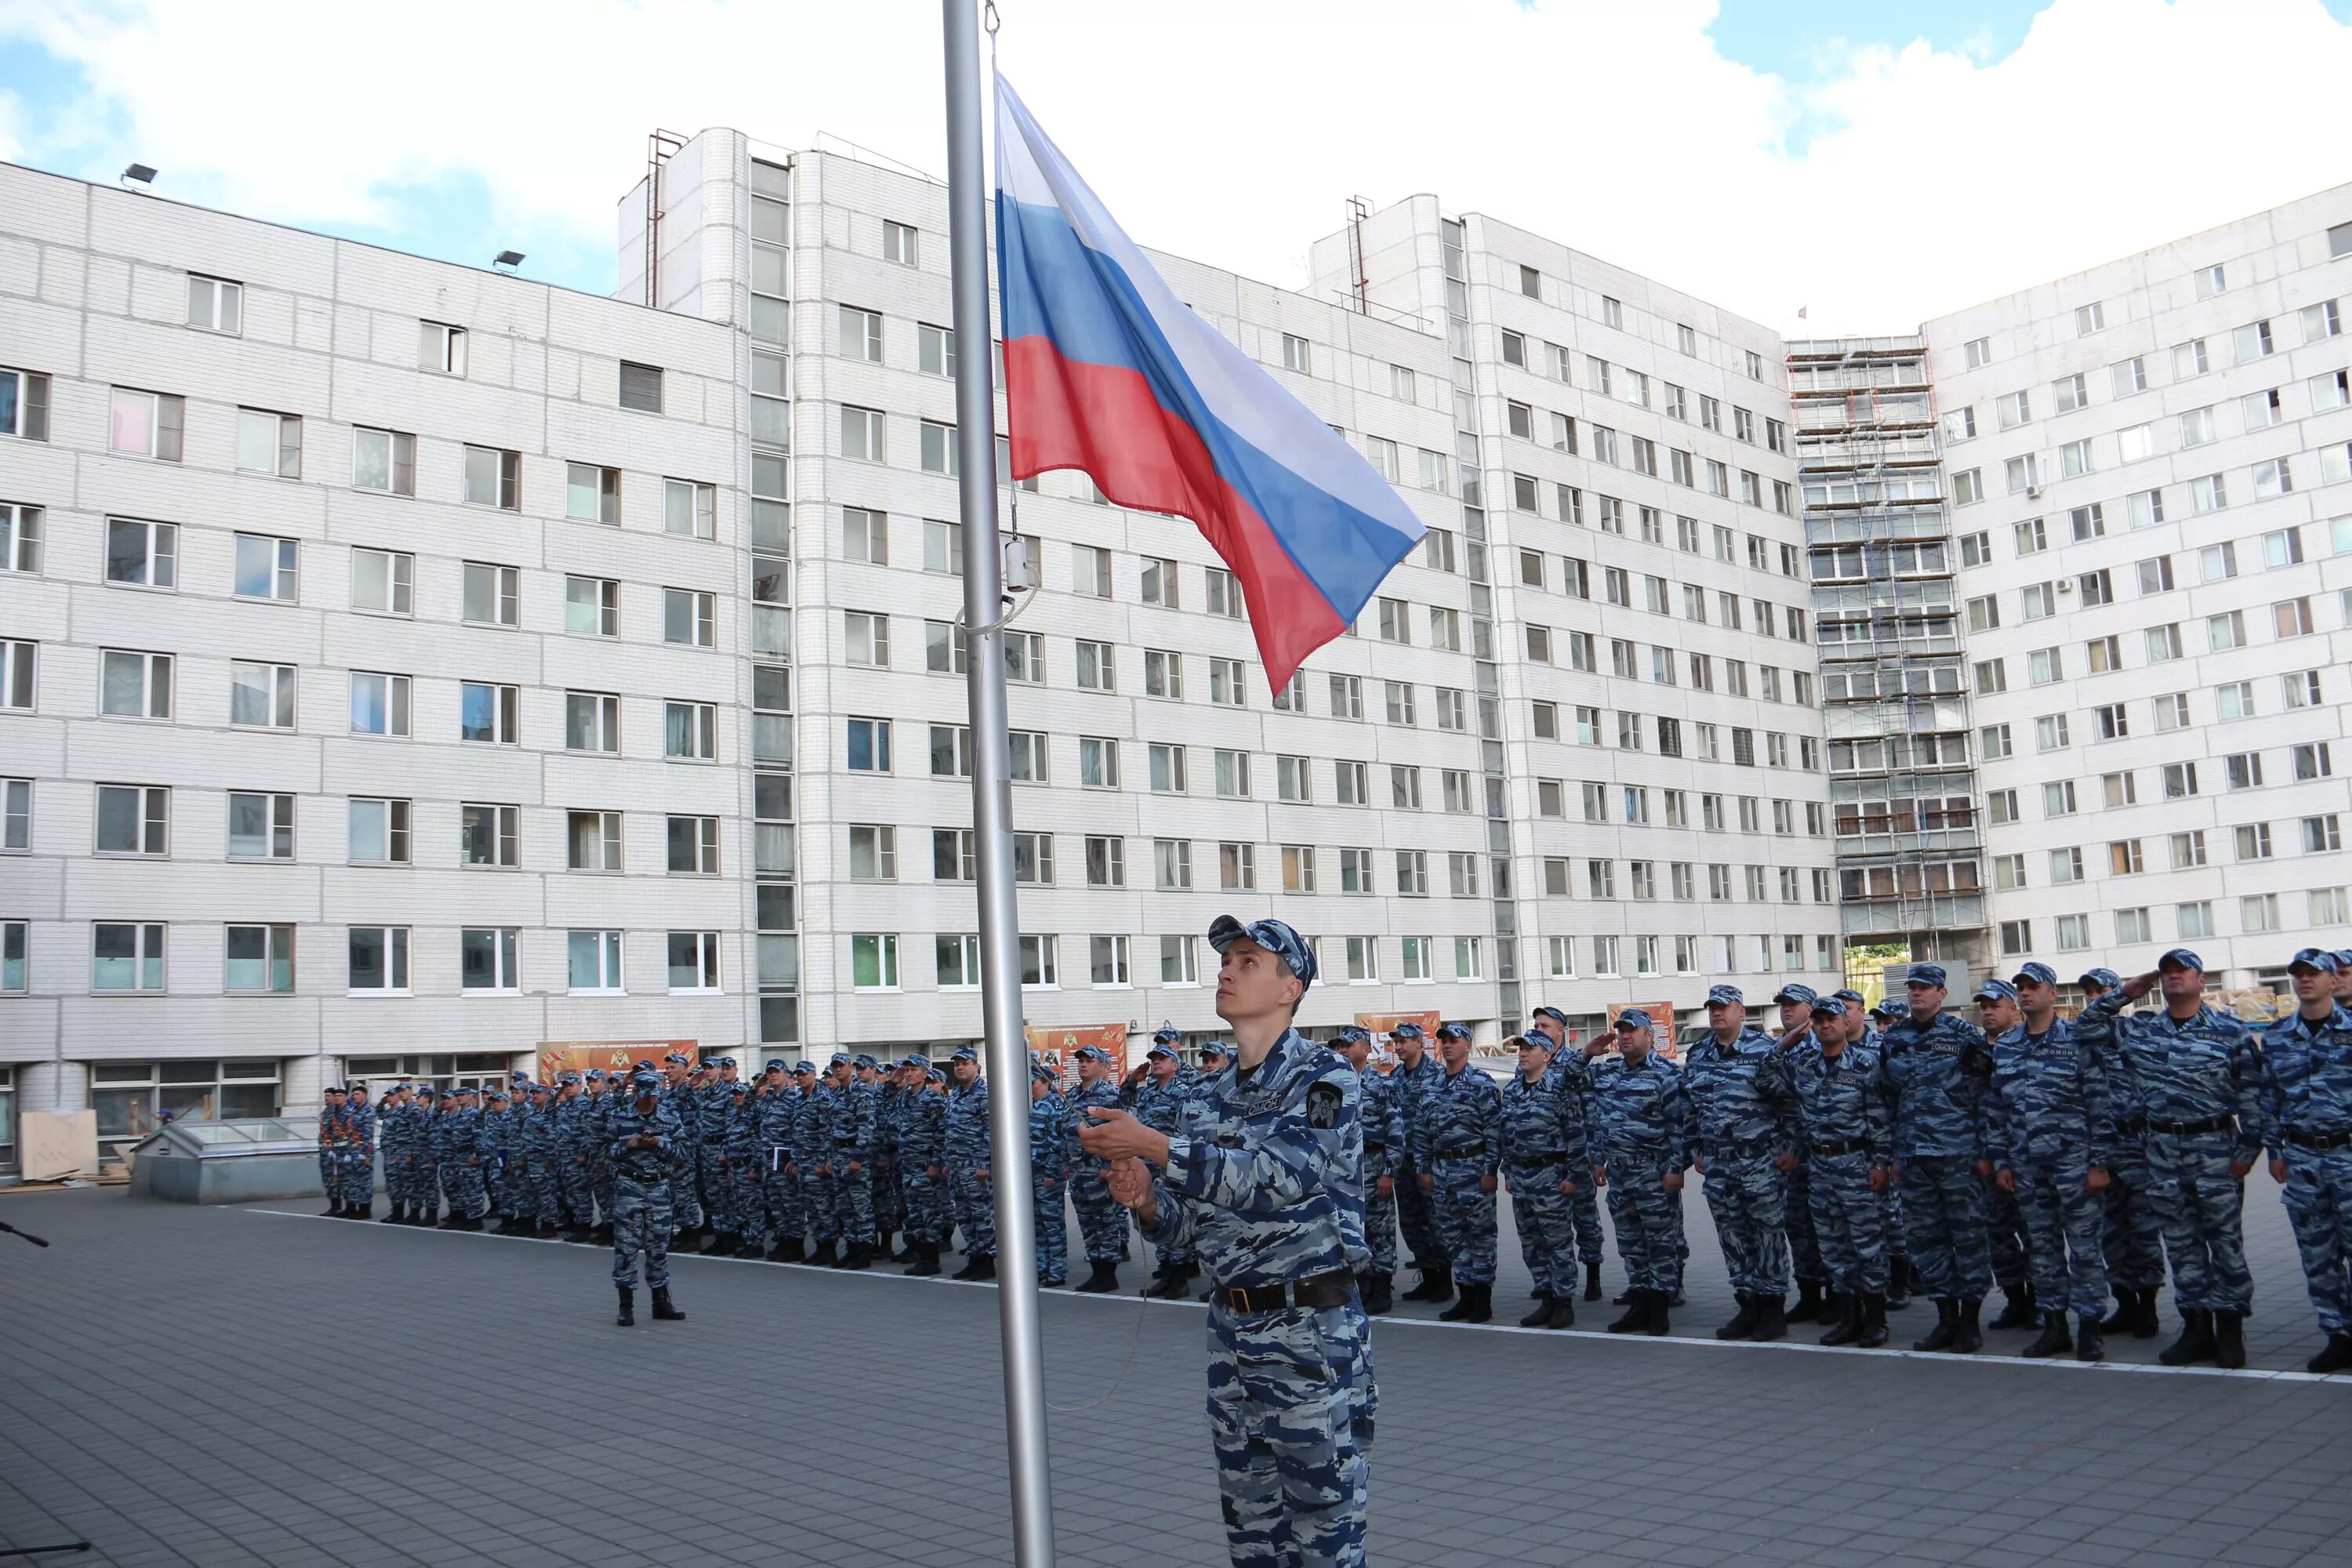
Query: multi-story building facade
(2148, 464)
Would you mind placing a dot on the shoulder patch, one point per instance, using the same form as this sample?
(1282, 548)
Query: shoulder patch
(1324, 1101)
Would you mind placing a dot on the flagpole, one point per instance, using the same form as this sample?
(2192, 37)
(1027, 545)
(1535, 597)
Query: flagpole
(992, 802)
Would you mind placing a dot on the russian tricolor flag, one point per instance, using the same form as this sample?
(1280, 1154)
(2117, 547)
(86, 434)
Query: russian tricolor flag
(1106, 371)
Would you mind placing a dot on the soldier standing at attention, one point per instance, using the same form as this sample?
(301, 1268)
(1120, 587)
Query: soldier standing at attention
(2199, 1074)
(679, 1093)
(2049, 1129)
(494, 1145)
(1265, 1176)
(746, 1153)
(2307, 1104)
(645, 1131)
(1413, 1083)
(424, 1172)
(359, 1154)
(1640, 1135)
(849, 1119)
(331, 1120)
(542, 1152)
(1843, 1091)
(923, 1151)
(967, 1149)
(601, 1101)
(1102, 1222)
(1997, 1014)
(575, 1185)
(1796, 1004)
(1861, 1028)
(1745, 1111)
(779, 1189)
(1049, 1164)
(1457, 1145)
(1937, 1066)
(1584, 1204)
(2130, 1238)
(1376, 1111)
(1156, 1092)
(1546, 1161)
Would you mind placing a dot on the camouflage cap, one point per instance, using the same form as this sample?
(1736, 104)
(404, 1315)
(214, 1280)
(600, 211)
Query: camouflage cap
(1996, 991)
(1454, 1032)
(2181, 958)
(1795, 992)
(1725, 996)
(1927, 975)
(2316, 959)
(2035, 973)
(1275, 936)
(1829, 1007)
(1635, 1018)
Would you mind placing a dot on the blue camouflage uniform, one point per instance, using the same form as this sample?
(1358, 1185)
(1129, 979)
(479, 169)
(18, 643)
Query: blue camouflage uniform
(355, 1161)
(712, 1103)
(1574, 1069)
(642, 1180)
(1543, 1144)
(849, 1126)
(780, 1186)
(1936, 1072)
(458, 1152)
(1847, 1129)
(2131, 1238)
(813, 1134)
(1742, 1106)
(541, 1150)
(923, 1165)
(686, 1204)
(492, 1143)
(1796, 1188)
(2307, 1118)
(1159, 1106)
(889, 1188)
(423, 1173)
(2047, 1123)
(330, 1122)
(1049, 1162)
(968, 1155)
(600, 1097)
(1383, 1153)
(575, 1181)
(1264, 1178)
(1457, 1140)
(1102, 1220)
(2200, 1080)
(1639, 1124)
(1410, 1088)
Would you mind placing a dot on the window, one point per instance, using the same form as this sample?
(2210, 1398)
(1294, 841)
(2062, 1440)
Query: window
(378, 832)
(133, 820)
(265, 568)
(690, 618)
(2254, 341)
(2074, 459)
(1348, 785)
(1172, 864)
(1033, 859)
(2310, 760)
(2040, 601)
(383, 461)
(641, 387)
(2179, 781)
(142, 555)
(1968, 486)
(2300, 689)
(1027, 758)
(861, 438)
(383, 582)
(260, 827)
(2058, 799)
(493, 478)
(690, 731)
(2292, 618)
(146, 423)
(379, 704)
(261, 696)
(689, 510)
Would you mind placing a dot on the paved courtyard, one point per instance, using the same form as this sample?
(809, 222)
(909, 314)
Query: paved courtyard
(226, 1386)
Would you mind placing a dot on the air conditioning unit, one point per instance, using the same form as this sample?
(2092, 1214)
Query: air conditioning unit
(2033, 492)
(2066, 584)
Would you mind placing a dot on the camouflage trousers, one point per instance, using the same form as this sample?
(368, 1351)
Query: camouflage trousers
(2318, 1198)
(928, 1219)
(685, 1201)
(889, 1198)
(853, 1202)
(1102, 1219)
(1465, 1219)
(1797, 1206)
(1545, 1219)
(330, 1174)
(543, 1200)
(1743, 1194)
(1417, 1217)
(1292, 1401)
(1052, 1225)
(579, 1188)
(463, 1182)
(2199, 1203)
(975, 1211)
(2062, 1226)
(1585, 1205)
(2006, 1236)
(513, 1187)
(600, 1185)
(779, 1190)
(642, 1222)
(355, 1177)
(1380, 1214)
(1898, 1239)
(1850, 1221)
(1645, 1216)
(1943, 1207)
(424, 1184)
(2131, 1238)
(730, 1193)
(817, 1196)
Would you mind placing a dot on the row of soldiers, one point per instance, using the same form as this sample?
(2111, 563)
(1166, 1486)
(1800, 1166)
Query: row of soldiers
(2065, 1161)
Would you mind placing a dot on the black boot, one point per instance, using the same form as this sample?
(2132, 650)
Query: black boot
(1657, 1323)
(2144, 1324)
(1898, 1285)
(2017, 1311)
(822, 1256)
(1563, 1313)
(1674, 1297)
(397, 1215)
(360, 1211)
(1846, 1323)
(1743, 1322)
(2090, 1342)
(2335, 1355)
(603, 1235)
(751, 1247)
(1627, 1296)
(861, 1256)
(2196, 1343)
(1433, 1286)
(1772, 1320)
(2230, 1340)
(1168, 1284)
(628, 1318)
(334, 1209)
(1592, 1281)
(971, 1269)
(1378, 1292)
(1969, 1337)
(987, 1266)
(2119, 1321)
(1636, 1318)
(1102, 1277)
(1542, 1313)
(719, 1242)
(1947, 1329)
(2054, 1338)
(1873, 1320)
(1808, 1308)
(927, 1259)
(663, 1311)
(1474, 1307)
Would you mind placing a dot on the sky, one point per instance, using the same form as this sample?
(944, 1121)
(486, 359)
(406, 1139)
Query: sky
(1872, 161)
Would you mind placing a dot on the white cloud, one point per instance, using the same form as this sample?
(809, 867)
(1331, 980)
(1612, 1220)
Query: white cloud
(1232, 130)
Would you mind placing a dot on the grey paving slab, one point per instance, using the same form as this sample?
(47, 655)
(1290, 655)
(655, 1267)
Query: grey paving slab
(216, 1386)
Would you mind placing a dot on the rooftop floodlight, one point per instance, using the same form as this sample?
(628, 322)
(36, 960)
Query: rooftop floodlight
(140, 172)
(508, 258)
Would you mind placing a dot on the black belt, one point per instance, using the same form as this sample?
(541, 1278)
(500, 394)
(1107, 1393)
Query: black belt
(2316, 1140)
(1331, 1290)
(1371, 1147)
(1541, 1157)
(2130, 1125)
(2189, 1129)
(1473, 1151)
(1849, 1146)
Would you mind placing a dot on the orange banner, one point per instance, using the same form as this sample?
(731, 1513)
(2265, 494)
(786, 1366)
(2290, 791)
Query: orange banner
(1384, 1024)
(1059, 1045)
(1662, 1015)
(578, 1055)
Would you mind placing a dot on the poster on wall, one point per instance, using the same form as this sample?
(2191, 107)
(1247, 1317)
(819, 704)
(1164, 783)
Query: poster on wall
(1059, 1044)
(578, 1055)
(1381, 1024)
(1662, 1015)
